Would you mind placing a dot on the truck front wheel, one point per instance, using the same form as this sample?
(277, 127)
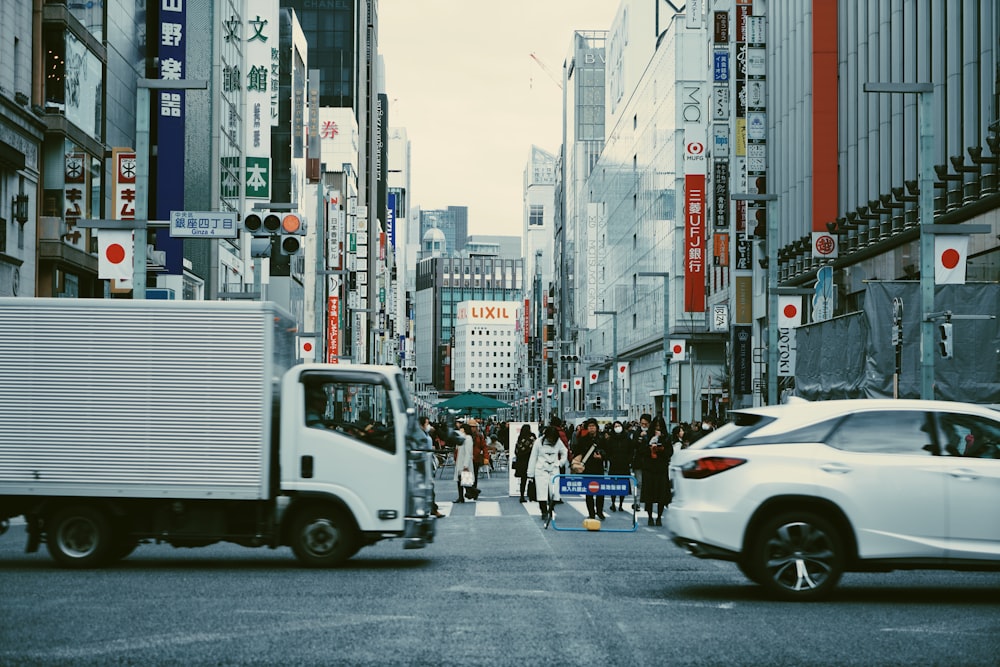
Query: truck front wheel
(323, 537)
(79, 537)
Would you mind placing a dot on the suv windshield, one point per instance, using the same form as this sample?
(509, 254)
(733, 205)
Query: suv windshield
(741, 427)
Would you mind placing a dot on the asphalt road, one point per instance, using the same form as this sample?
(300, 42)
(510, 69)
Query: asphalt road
(494, 589)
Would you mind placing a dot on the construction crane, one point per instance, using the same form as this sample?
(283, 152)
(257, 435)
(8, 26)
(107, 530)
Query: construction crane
(547, 70)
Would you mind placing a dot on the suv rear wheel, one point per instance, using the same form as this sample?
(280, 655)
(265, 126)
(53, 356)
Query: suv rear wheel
(797, 556)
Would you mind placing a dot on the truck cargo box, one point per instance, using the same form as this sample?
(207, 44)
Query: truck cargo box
(145, 399)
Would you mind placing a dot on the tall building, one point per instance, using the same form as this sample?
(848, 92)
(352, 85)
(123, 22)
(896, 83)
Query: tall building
(443, 283)
(582, 141)
(22, 133)
(767, 102)
(452, 221)
(343, 45)
(536, 245)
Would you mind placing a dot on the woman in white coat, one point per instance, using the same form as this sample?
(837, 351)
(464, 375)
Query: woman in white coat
(463, 459)
(548, 457)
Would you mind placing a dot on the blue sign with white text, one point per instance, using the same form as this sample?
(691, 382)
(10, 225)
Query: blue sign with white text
(721, 65)
(595, 485)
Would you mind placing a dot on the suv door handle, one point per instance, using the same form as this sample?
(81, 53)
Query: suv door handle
(838, 468)
(963, 473)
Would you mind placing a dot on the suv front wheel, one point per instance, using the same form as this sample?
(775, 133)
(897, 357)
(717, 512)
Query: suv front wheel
(797, 556)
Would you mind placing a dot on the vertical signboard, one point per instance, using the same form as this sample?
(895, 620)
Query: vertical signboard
(333, 329)
(169, 108)
(260, 39)
(390, 220)
(695, 197)
(742, 360)
(593, 265)
(76, 203)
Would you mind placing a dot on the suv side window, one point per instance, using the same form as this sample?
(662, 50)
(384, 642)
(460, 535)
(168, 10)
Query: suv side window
(969, 436)
(885, 432)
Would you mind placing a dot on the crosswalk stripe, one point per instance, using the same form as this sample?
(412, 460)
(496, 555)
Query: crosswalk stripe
(487, 508)
(571, 510)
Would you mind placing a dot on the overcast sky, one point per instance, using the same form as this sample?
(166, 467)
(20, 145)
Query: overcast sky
(461, 80)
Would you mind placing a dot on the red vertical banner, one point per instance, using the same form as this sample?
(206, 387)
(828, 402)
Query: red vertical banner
(527, 321)
(333, 329)
(694, 243)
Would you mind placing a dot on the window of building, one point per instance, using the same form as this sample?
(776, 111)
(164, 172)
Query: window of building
(536, 215)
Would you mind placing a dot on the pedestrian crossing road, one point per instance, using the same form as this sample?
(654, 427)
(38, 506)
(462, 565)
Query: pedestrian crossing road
(495, 501)
(570, 512)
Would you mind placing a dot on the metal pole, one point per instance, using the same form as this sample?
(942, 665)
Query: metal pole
(926, 208)
(666, 348)
(139, 235)
(614, 371)
(613, 376)
(666, 338)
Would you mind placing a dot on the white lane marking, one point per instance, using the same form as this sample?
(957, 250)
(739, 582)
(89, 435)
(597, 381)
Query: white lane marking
(488, 508)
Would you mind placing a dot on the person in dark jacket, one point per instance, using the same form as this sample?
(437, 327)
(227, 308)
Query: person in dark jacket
(654, 458)
(589, 451)
(619, 455)
(522, 454)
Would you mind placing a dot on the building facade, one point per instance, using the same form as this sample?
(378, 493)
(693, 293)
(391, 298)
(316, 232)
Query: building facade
(442, 284)
(487, 347)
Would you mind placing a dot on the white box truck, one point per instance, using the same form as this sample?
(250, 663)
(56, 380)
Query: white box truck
(190, 423)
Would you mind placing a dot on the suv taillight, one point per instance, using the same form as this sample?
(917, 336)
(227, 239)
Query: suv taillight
(708, 466)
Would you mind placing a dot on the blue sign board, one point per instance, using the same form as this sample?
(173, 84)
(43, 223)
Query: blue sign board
(721, 65)
(168, 105)
(595, 485)
(391, 219)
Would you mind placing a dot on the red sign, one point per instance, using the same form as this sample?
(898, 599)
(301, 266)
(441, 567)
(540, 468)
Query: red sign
(333, 329)
(694, 243)
(593, 486)
(527, 321)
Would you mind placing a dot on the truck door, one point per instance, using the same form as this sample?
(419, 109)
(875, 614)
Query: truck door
(347, 444)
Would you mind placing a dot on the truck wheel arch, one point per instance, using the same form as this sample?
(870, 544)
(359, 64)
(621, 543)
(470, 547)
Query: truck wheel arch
(330, 515)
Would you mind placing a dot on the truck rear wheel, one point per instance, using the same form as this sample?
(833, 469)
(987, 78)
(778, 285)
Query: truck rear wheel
(79, 537)
(323, 537)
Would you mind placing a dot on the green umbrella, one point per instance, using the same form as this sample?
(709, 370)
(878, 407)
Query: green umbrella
(472, 403)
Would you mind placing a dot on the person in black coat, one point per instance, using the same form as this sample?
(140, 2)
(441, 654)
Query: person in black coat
(654, 458)
(522, 453)
(619, 454)
(590, 451)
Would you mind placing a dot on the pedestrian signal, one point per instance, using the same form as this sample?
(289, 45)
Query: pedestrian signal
(946, 341)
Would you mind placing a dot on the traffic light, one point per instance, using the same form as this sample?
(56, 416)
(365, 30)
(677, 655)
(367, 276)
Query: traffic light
(291, 234)
(946, 341)
(572, 358)
(597, 402)
(260, 241)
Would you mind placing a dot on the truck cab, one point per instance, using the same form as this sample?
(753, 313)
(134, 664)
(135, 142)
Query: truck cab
(350, 444)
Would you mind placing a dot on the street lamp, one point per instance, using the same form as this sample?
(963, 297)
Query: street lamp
(771, 240)
(666, 337)
(614, 359)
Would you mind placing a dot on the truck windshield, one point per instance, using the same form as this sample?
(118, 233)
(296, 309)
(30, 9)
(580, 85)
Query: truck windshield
(361, 410)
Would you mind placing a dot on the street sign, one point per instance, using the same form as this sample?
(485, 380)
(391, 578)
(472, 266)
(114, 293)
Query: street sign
(203, 224)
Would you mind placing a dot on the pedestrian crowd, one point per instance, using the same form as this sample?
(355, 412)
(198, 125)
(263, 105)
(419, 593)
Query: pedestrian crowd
(639, 448)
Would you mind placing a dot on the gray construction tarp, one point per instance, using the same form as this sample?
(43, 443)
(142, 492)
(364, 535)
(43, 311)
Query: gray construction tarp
(852, 356)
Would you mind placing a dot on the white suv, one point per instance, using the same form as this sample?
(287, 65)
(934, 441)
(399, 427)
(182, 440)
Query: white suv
(797, 494)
